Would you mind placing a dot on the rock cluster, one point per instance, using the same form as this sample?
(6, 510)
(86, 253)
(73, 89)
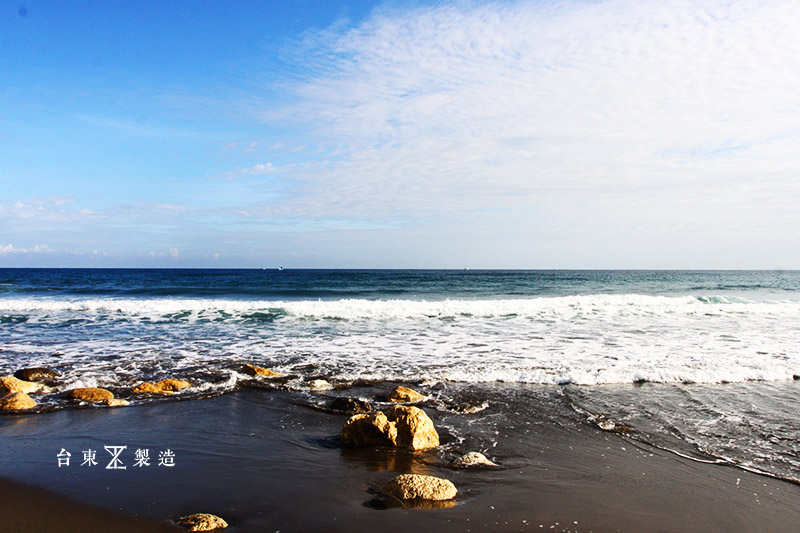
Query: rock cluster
(252, 370)
(165, 386)
(419, 487)
(202, 522)
(402, 427)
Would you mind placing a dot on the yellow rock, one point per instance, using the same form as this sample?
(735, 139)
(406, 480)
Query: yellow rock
(202, 522)
(372, 429)
(402, 427)
(415, 429)
(16, 400)
(253, 370)
(416, 486)
(404, 394)
(91, 394)
(172, 384)
(10, 384)
(472, 459)
(148, 388)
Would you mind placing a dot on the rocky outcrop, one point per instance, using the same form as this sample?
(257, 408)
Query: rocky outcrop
(402, 427)
(472, 459)
(165, 386)
(405, 395)
(419, 487)
(256, 371)
(16, 400)
(9, 384)
(35, 374)
(91, 394)
(351, 406)
(202, 522)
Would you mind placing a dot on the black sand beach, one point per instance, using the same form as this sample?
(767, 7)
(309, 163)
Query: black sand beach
(264, 460)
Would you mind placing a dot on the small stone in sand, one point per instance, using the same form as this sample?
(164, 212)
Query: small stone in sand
(404, 394)
(416, 486)
(202, 522)
(472, 459)
(16, 400)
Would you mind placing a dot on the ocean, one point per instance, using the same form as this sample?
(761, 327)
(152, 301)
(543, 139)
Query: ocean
(703, 364)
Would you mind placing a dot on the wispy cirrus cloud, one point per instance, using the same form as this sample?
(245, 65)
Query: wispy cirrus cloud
(437, 111)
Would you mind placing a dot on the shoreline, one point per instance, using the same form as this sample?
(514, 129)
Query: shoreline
(265, 460)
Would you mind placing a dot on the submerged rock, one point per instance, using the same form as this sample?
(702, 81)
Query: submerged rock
(16, 400)
(402, 427)
(10, 384)
(35, 374)
(472, 459)
(350, 406)
(252, 370)
(202, 522)
(404, 394)
(91, 394)
(419, 487)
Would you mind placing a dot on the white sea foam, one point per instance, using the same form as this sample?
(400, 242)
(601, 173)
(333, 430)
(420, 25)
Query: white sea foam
(590, 339)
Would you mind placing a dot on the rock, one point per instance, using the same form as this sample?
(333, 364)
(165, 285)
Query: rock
(319, 384)
(16, 400)
(172, 384)
(402, 427)
(10, 384)
(115, 402)
(146, 387)
(416, 486)
(91, 394)
(415, 429)
(35, 374)
(404, 394)
(351, 406)
(472, 459)
(202, 522)
(372, 429)
(253, 370)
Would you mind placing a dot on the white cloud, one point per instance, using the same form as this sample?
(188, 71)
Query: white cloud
(667, 113)
(9, 249)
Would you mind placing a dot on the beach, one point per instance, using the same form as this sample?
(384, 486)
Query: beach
(609, 400)
(270, 460)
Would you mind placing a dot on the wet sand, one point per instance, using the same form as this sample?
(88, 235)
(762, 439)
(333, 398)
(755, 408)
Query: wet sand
(265, 462)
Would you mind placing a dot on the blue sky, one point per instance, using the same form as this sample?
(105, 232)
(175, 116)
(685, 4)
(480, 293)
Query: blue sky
(603, 134)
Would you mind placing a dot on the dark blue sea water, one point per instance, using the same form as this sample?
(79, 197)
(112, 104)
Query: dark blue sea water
(700, 362)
